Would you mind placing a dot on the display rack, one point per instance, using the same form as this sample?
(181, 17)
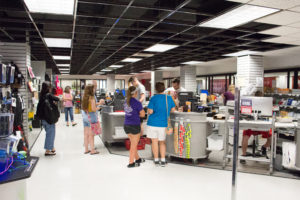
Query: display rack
(257, 125)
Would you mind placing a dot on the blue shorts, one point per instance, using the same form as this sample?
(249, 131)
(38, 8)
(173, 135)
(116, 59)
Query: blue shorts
(86, 121)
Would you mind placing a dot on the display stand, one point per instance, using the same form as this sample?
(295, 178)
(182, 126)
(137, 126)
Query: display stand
(257, 126)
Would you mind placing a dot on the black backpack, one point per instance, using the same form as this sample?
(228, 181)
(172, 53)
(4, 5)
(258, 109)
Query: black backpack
(48, 111)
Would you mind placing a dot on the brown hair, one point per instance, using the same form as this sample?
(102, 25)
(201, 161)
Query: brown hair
(67, 89)
(88, 92)
(131, 79)
(160, 87)
(129, 94)
(176, 80)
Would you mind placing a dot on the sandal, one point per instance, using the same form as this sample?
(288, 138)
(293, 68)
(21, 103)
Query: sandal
(74, 124)
(53, 151)
(86, 152)
(50, 153)
(95, 152)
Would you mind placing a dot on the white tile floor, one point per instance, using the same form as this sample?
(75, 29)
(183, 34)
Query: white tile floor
(71, 175)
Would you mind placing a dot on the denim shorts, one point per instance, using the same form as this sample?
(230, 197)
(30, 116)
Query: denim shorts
(86, 120)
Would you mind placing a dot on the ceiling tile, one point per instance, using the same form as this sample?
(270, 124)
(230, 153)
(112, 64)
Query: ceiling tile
(282, 30)
(281, 18)
(295, 9)
(240, 1)
(296, 25)
(294, 35)
(283, 40)
(280, 4)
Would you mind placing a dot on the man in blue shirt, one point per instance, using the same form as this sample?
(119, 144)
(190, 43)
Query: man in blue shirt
(159, 109)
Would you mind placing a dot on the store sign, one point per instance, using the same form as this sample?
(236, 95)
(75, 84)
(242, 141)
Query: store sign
(246, 106)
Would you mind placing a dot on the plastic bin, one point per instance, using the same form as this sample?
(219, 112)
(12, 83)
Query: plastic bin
(6, 124)
(141, 144)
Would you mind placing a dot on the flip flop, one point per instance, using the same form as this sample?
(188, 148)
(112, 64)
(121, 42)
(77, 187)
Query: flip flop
(50, 154)
(87, 152)
(53, 151)
(96, 152)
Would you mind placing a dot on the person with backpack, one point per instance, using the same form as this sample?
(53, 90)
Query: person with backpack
(68, 105)
(47, 111)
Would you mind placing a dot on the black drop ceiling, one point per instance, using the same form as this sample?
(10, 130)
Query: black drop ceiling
(98, 43)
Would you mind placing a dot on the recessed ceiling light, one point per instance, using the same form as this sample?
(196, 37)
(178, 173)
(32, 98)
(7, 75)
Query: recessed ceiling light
(116, 66)
(146, 71)
(63, 7)
(58, 42)
(64, 69)
(131, 60)
(61, 57)
(192, 63)
(243, 53)
(161, 47)
(164, 68)
(238, 16)
(106, 70)
(143, 55)
(63, 65)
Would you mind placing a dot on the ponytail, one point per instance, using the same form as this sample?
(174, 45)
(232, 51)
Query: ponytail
(129, 94)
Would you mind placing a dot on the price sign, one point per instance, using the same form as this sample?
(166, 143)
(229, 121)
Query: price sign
(246, 106)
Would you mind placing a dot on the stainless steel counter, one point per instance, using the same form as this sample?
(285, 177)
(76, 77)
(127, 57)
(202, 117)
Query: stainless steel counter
(109, 121)
(198, 139)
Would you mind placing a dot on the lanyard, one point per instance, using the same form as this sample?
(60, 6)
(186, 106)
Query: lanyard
(181, 139)
(176, 137)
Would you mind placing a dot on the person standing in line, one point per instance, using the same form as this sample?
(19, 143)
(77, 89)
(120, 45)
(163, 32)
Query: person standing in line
(133, 111)
(158, 122)
(47, 96)
(68, 106)
(89, 116)
(141, 95)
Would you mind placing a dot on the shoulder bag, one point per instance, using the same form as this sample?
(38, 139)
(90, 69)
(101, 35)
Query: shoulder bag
(169, 129)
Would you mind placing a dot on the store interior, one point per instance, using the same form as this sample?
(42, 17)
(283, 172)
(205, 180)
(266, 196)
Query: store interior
(252, 46)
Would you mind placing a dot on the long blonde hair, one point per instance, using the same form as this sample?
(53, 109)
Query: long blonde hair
(88, 92)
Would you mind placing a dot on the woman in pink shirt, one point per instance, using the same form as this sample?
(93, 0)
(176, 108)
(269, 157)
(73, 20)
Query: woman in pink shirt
(68, 104)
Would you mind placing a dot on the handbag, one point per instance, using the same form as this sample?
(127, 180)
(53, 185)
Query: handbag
(169, 129)
(96, 128)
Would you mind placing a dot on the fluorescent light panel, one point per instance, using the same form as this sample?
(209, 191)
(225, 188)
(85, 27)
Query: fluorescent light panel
(58, 42)
(238, 16)
(116, 66)
(62, 7)
(63, 65)
(61, 57)
(192, 63)
(143, 55)
(131, 60)
(164, 68)
(243, 53)
(161, 47)
(106, 70)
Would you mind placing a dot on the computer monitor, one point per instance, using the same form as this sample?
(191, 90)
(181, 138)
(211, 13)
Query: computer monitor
(262, 104)
(184, 97)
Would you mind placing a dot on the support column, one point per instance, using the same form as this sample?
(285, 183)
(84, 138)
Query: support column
(111, 83)
(188, 78)
(156, 76)
(250, 71)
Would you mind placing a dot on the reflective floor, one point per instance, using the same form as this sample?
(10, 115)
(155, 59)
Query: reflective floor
(71, 175)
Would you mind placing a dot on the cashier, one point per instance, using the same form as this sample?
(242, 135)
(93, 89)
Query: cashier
(174, 90)
(229, 95)
(141, 97)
